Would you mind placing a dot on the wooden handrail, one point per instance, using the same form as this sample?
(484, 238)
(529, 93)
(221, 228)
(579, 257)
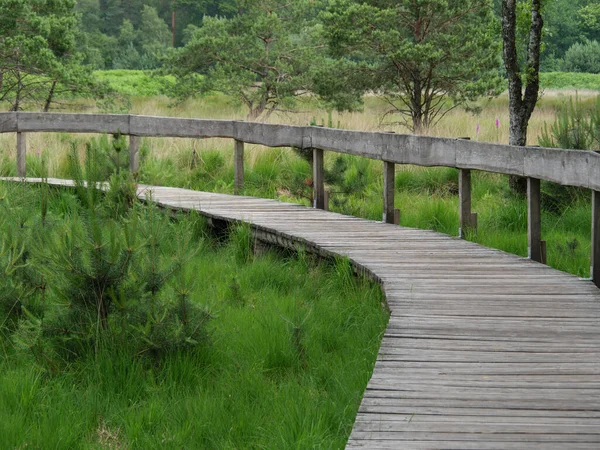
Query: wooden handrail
(567, 167)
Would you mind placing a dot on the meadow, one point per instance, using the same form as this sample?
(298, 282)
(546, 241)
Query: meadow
(280, 349)
(427, 197)
(285, 344)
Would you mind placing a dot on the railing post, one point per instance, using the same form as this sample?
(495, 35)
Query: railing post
(389, 175)
(595, 259)
(318, 179)
(21, 154)
(534, 220)
(238, 167)
(134, 153)
(467, 219)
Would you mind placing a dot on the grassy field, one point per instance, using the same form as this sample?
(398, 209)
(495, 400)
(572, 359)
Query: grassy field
(288, 349)
(290, 342)
(426, 197)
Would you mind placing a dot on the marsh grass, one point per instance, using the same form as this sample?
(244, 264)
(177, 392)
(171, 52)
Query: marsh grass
(427, 197)
(291, 345)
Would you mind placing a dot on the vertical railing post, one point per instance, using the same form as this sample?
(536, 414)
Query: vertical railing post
(389, 175)
(21, 154)
(534, 220)
(318, 179)
(595, 259)
(134, 153)
(467, 219)
(238, 167)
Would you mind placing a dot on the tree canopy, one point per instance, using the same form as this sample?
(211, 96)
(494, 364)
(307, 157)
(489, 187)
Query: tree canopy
(262, 55)
(37, 52)
(424, 57)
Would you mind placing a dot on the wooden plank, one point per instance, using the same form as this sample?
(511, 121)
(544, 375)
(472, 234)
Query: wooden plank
(464, 203)
(534, 220)
(73, 123)
(389, 188)
(318, 179)
(595, 258)
(569, 167)
(238, 167)
(21, 154)
(8, 122)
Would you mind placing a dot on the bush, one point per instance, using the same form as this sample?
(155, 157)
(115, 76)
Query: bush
(583, 57)
(575, 127)
(94, 279)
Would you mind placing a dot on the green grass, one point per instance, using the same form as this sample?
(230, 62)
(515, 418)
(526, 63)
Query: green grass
(137, 83)
(569, 80)
(291, 345)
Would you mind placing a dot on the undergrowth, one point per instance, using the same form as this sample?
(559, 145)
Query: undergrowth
(142, 331)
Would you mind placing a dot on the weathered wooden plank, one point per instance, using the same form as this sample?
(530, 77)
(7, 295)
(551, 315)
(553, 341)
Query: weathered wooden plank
(180, 127)
(374, 443)
(401, 436)
(558, 165)
(389, 188)
(73, 123)
(465, 216)
(21, 154)
(238, 167)
(270, 135)
(318, 179)
(572, 167)
(595, 258)
(8, 122)
(491, 157)
(534, 219)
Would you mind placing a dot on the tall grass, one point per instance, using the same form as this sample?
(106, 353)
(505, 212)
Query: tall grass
(427, 197)
(292, 342)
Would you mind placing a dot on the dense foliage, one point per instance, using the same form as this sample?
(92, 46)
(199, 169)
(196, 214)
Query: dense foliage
(276, 352)
(415, 53)
(38, 61)
(266, 53)
(262, 56)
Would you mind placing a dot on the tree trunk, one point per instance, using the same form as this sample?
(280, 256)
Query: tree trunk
(50, 97)
(521, 104)
(17, 103)
(416, 107)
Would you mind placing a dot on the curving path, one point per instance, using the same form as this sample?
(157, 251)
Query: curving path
(483, 350)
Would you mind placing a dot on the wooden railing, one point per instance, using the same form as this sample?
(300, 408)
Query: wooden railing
(566, 167)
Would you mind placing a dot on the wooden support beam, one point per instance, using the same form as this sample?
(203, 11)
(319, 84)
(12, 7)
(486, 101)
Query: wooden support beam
(318, 179)
(595, 260)
(21, 154)
(326, 206)
(134, 153)
(389, 175)
(238, 167)
(534, 219)
(467, 219)
(396, 216)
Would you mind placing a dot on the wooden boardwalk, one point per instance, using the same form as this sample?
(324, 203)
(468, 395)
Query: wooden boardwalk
(483, 350)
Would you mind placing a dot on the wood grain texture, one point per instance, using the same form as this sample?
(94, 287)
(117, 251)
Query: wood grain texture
(568, 167)
(483, 350)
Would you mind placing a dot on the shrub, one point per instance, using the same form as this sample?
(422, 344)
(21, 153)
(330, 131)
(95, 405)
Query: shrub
(575, 127)
(583, 57)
